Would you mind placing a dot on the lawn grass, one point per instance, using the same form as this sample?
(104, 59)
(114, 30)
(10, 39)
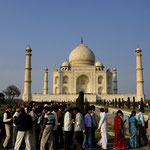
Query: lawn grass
(126, 109)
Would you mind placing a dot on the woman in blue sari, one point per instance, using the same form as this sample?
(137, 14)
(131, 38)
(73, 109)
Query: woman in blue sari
(133, 129)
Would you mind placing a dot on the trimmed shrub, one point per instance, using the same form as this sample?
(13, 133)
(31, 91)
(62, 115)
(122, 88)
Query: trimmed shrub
(119, 103)
(80, 102)
(116, 102)
(128, 103)
(133, 102)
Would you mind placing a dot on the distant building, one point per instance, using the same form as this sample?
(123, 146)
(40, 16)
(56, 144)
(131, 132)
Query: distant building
(82, 73)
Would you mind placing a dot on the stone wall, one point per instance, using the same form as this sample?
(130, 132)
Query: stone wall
(89, 97)
(61, 97)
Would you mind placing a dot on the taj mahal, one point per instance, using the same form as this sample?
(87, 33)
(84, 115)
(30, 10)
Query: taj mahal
(82, 73)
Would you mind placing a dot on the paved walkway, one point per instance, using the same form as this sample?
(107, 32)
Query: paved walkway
(110, 145)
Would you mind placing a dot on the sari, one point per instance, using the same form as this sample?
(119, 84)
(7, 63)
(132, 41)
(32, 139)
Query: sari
(119, 141)
(148, 131)
(133, 132)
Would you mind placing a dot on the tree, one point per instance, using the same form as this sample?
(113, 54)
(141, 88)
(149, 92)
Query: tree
(2, 97)
(11, 92)
(122, 103)
(104, 102)
(133, 102)
(128, 103)
(80, 102)
(115, 102)
(119, 103)
(107, 103)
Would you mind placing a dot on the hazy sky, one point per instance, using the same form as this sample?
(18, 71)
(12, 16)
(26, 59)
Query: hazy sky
(111, 28)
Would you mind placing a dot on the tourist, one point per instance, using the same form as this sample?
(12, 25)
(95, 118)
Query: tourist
(24, 125)
(124, 121)
(119, 141)
(99, 115)
(78, 129)
(94, 124)
(41, 121)
(133, 130)
(56, 125)
(34, 128)
(141, 127)
(102, 127)
(15, 129)
(68, 128)
(60, 117)
(47, 129)
(8, 121)
(148, 130)
(88, 129)
(2, 128)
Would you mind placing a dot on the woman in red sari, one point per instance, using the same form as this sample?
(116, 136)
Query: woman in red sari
(119, 141)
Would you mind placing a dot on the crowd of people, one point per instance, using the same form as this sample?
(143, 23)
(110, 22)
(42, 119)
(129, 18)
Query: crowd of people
(54, 125)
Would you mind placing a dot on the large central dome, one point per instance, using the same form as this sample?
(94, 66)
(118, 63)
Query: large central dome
(81, 55)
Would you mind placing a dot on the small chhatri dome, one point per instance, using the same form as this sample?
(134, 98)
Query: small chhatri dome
(28, 48)
(65, 64)
(46, 68)
(138, 50)
(98, 64)
(114, 69)
(81, 55)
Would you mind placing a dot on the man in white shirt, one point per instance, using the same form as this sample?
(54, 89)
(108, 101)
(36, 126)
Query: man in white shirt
(68, 128)
(103, 129)
(99, 115)
(8, 120)
(78, 129)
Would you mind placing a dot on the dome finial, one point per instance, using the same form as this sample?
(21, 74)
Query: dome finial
(81, 40)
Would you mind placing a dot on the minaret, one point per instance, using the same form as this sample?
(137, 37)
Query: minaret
(45, 90)
(115, 81)
(27, 96)
(139, 75)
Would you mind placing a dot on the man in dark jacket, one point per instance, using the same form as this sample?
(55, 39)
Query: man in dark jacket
(24, 124)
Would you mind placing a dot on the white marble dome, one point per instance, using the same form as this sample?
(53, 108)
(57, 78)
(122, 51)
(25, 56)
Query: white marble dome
(81, 55)
(98, 64)
(65, 64)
